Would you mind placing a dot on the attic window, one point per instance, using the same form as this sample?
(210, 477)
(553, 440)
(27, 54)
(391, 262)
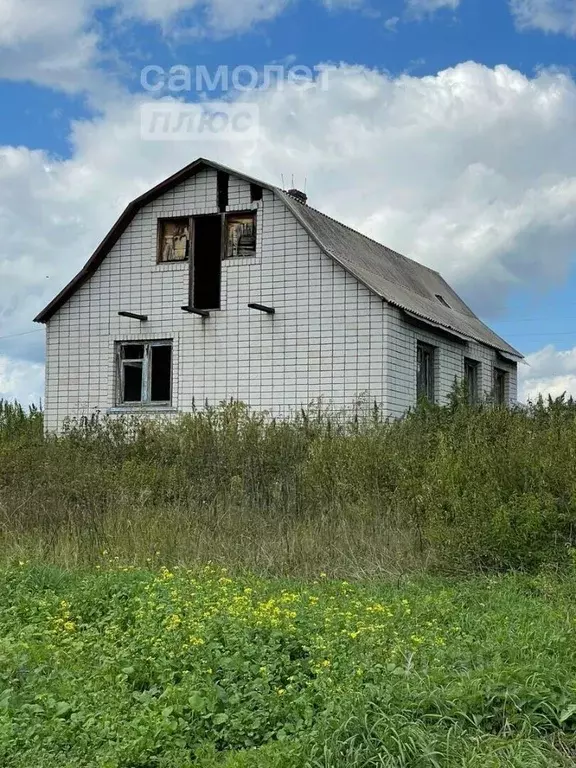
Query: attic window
(173, 240)
(240, 236)
(442, 300)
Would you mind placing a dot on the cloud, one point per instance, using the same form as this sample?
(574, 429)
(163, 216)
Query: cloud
(553, 16)
(216, 17)
(65, 44)
(21, 381)
(54, 45)
(549, 372)
(423, 7)
(62, 44)
(471, 171)
(343, 4)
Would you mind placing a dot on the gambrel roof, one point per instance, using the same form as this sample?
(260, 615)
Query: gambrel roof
(420, 292)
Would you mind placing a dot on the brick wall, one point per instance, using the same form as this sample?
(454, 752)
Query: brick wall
(400, 380)
(327, 339)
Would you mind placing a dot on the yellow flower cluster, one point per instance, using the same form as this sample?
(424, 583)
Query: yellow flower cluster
(185, 615)
(63, 621)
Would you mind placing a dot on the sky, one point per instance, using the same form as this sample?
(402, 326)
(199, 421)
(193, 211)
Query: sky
(445, 129)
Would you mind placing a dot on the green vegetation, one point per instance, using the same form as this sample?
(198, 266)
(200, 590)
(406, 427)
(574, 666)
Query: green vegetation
(123, 668)
(125, 643)
(456, 489)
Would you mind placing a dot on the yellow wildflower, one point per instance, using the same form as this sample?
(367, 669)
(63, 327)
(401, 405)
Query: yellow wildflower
(173, 621)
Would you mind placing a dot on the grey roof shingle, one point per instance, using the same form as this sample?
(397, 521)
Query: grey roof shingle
(396, 279)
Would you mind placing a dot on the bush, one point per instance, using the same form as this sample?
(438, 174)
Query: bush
(457, 488)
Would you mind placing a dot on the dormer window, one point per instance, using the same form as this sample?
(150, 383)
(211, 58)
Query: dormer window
(240, 236)
(173, 240)
(442, 300)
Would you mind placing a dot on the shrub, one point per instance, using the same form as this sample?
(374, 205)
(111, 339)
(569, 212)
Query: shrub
(457, 488)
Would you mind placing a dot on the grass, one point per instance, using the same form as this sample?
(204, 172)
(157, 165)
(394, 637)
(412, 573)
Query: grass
(121, 648)
(118, 667)
(454, 489)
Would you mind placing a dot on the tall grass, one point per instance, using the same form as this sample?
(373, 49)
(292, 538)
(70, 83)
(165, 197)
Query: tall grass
(455, 488)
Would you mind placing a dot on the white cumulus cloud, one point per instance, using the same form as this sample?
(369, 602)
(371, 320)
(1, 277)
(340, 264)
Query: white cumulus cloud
(219, 17)
(554, 16)
(471, 171)
(21, 380)
(548, 372)
(53, 44)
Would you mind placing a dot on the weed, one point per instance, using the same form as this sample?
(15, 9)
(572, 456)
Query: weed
(178, 667)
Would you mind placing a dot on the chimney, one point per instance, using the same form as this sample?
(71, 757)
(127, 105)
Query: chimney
(301, 197)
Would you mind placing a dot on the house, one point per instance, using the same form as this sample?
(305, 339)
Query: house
(214, 285)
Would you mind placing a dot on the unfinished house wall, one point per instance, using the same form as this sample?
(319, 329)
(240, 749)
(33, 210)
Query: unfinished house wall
(326, 339)
(401, 349)
(330, 338)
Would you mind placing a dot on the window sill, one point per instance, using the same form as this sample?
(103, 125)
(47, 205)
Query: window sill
(134, 409)
(163, 266)
(235, 261)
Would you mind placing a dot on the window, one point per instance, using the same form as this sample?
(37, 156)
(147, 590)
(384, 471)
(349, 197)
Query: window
(500, 386)
(145, 373)
(425, 371)
(217, 236)
(471, 371)
(240, 236)
(442, 300)
(173, 240)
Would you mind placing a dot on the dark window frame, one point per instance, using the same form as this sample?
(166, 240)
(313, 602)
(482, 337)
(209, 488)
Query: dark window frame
(426, 356)
(160, 238)
(146, 362)
(500, 386)
(472, 367)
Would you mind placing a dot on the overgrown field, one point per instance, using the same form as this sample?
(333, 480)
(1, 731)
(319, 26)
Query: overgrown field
(125, 643)
(456, 489)
(123, 668)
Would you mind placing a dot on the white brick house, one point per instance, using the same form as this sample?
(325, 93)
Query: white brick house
(214, 285)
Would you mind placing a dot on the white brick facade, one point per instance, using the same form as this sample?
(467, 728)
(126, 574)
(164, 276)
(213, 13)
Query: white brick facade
(330, 338)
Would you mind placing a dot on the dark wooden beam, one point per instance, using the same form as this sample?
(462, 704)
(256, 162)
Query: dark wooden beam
(262, 308)
(134, 316)
(199, 312)
(223, 181)
(191, 261)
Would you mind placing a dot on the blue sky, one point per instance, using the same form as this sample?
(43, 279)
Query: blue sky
(446, 131)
